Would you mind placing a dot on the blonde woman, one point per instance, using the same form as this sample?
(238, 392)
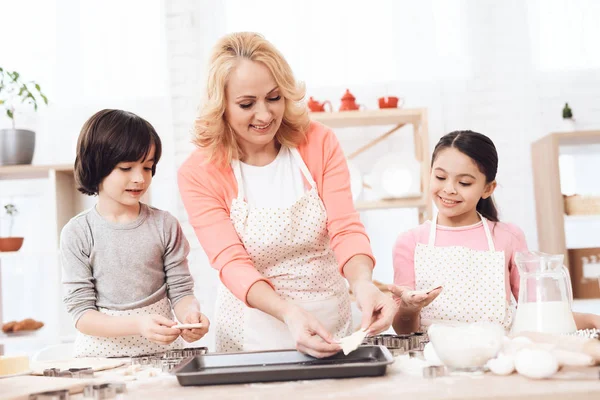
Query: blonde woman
(268, 194)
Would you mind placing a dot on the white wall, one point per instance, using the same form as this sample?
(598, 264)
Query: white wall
(506, 96)
(86, 56)
(491, 74)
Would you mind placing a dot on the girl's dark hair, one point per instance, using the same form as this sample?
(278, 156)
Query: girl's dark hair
(108, 138)
(482, 151)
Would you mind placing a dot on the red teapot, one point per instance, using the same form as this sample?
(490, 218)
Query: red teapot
(349, 102)
(390, 102)
(315, 106)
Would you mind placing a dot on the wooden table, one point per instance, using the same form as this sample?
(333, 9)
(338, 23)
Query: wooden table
(394, 385)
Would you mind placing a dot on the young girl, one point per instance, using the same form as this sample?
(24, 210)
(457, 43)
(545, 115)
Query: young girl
(467, 250)
(125, 263)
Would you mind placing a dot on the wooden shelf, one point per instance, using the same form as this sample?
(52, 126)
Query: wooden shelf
(582, 218)
(416, 202)
(345, 119)
(550, 209)
(25, 337)
(32, 171)
(397, 117)
(8, 255)
(576, 138)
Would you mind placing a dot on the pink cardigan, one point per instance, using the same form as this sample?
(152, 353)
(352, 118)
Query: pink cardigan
(208, 190)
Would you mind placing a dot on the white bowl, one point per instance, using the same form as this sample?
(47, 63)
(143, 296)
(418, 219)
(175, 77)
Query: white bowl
(468, 346)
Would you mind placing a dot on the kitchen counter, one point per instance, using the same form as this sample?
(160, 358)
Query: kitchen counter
(394, 385)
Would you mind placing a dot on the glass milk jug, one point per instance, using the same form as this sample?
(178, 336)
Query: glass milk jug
(545, 294)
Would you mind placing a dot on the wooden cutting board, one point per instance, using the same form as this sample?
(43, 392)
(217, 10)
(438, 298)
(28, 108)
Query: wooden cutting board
(20, 387)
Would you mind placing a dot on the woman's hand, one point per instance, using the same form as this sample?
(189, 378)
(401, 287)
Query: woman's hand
(157, 329)
(378, 309)
(308, 333)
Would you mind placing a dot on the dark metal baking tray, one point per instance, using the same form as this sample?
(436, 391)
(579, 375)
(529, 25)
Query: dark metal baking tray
(280, 365)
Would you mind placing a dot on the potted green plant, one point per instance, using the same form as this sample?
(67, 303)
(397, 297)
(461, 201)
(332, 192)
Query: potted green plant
(567, 117)
(17, 145)
(10, 242)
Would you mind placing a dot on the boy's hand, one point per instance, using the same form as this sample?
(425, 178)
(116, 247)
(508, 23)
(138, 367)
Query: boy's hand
(194, 317)
(157, 329)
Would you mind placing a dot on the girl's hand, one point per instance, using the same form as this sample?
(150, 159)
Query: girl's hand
(194, 317)
(157, 329)
(595, 321)
(412, 301)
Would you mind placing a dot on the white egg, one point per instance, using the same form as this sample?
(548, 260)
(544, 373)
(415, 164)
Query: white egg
(511, 346)
(502, 365)
(521, 341)
(536, 363)
(430, 355)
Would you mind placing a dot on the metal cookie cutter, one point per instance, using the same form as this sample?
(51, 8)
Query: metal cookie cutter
(416, 354)
(185, 353)
(148, 359)
(418, 340)
(172, 358)
(104, 391)
(52, 395)
(168, 364)
(587, 333)
(399, 344)
(434, 371)
(79, 373)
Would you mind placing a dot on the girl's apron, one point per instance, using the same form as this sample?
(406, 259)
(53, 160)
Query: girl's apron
(474, 282)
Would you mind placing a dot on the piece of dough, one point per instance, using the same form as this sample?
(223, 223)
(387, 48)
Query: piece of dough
(13, 365)
(426, 291)
(188, 326)
(351, 343)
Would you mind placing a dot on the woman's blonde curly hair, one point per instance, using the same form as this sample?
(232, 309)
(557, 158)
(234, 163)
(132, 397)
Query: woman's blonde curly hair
(211, 131)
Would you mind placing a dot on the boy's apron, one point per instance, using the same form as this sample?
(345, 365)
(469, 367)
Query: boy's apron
(126, 346)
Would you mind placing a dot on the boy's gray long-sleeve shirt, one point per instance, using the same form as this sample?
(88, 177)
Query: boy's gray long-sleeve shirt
(123, 266)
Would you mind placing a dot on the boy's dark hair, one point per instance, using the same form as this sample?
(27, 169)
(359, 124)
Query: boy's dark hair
(480, 149)
(108, 138)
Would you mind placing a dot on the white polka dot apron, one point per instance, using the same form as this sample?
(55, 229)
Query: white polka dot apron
(126, 346)
(474, 282)
(290, 247)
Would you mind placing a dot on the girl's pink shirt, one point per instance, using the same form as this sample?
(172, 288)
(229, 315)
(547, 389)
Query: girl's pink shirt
(507, 237)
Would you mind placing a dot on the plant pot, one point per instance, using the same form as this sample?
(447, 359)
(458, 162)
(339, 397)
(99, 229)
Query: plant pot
(16, 146)
(11, 243)
(568, 125)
